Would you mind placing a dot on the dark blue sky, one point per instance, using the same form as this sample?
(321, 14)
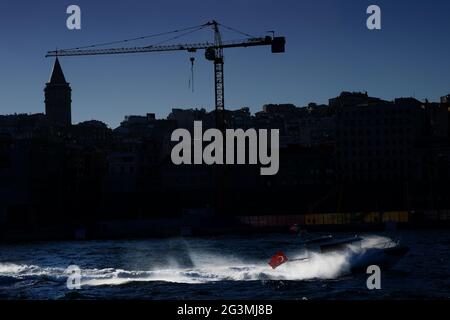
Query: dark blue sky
(329, 49)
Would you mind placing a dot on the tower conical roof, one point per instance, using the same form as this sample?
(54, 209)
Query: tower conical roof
(57, 76)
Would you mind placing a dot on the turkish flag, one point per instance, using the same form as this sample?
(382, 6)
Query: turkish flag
(277, 260)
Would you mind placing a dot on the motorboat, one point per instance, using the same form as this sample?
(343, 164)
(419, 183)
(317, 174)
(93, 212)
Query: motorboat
(384, 254)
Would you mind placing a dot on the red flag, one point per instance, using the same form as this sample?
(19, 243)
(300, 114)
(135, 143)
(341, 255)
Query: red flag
(277, 260)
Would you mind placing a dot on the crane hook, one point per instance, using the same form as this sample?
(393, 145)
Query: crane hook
(191, 80)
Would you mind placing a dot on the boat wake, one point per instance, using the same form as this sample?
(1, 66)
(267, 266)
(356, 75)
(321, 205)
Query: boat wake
(203, 267)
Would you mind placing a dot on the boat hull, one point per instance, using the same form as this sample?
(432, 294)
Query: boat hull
(385, 258)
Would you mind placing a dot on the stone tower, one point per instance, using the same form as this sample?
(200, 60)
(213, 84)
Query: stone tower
(58, 98)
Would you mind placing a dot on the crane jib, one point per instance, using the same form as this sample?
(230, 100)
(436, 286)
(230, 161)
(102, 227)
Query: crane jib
(277, 43)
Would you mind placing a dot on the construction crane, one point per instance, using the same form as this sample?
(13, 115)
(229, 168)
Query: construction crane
(213, 52)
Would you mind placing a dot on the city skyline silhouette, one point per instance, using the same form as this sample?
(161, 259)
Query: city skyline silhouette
(329, 50)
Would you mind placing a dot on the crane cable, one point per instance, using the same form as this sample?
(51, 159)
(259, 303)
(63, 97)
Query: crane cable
(237, 31)
(191, 79)
(195, 28)
(189, 29)
(177, 36)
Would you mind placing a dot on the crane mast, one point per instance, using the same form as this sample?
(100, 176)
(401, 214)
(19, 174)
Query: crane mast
(219, 79)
